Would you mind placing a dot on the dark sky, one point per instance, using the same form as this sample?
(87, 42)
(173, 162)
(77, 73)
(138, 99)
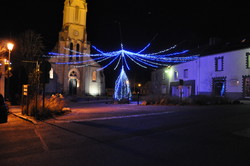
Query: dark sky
(170, 22)
(140, 20)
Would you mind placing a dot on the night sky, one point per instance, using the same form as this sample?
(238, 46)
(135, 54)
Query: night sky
(165, 23)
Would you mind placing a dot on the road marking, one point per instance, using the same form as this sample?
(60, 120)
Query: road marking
(118, 117)
(44, 145)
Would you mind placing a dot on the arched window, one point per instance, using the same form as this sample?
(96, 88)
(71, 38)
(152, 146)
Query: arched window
(73, 74)
(77, 51)
(94, 76)
(51, 73)
(71, 46)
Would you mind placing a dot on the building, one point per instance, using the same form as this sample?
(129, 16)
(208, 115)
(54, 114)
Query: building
(219, 74)
(64, 76)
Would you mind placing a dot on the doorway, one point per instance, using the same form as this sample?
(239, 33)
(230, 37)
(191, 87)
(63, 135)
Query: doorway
(72, 87)
(219, 86)
(246, 86)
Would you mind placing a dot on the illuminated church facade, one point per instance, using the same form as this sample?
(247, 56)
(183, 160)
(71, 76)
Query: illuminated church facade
(72, 73)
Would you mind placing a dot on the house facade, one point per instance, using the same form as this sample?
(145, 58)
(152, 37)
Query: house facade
(66, 76)
(221, 74)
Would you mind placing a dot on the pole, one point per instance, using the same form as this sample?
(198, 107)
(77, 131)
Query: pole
(37, 90)
(138, 98)
(8, 81)
(43, 96)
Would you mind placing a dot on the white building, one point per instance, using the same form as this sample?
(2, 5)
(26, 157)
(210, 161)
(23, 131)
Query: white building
(221, 74)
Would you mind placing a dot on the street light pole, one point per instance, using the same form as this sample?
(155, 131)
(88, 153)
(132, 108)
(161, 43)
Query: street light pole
(10, 48)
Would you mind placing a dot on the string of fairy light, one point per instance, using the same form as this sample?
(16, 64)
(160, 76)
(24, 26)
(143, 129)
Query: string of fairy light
(123, 56)
(144, 60)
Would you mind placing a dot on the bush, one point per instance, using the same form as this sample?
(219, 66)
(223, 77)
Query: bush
(52, 106)
(207, 100)
(174, 100)
(160, 100)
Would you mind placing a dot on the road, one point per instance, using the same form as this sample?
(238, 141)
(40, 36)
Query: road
(103, 134)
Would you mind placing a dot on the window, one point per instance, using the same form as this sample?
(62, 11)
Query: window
(51, 73)
(175, 75)
(248, 60)
(73, 74)
(219, 64)
(70, 51)
(94, 76)
(246, 86)
(186, 73)
(77, 52)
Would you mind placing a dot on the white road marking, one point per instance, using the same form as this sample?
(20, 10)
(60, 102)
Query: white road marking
(114, 117)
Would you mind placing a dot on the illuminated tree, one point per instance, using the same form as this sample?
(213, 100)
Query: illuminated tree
(122, 87)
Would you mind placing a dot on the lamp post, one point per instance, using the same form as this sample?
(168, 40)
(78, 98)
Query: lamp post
(138, 93)
(10, 48)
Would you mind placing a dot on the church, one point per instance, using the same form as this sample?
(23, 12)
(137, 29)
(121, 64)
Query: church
(72, 73)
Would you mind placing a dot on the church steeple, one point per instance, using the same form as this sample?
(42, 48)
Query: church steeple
(75, 12)
(87, 80)
(74, 19)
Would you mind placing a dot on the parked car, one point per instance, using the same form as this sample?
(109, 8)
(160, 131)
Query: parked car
(4, 110)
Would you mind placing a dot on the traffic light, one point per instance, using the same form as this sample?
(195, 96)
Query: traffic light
(45, 68)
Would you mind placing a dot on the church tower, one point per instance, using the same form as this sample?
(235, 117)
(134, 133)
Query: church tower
(67, 77)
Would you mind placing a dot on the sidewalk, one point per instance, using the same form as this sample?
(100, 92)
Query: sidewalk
(17, 111)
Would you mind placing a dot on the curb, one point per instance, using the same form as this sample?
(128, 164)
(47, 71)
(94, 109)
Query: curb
(29, 119)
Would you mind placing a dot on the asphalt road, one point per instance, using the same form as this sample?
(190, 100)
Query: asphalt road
(101, 134)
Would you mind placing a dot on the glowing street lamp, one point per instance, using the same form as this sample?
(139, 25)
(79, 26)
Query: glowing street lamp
(10, 47)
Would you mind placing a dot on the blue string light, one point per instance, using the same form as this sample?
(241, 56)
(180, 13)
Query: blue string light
(143, 60)
(122, 86)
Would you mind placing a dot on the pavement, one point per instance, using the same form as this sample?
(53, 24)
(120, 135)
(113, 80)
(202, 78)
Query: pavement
(17, 111)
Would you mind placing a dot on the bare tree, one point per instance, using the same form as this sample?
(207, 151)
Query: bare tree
(3, 48)
(29, 47)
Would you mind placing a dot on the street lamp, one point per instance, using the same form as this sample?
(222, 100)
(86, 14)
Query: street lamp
(138, 93)
(10, 47)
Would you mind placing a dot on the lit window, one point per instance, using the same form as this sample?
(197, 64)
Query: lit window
(51, 73)
(219, 64)
(94, 76)
(176, 75)
(163, 76)
(248, 60)
(186, 73)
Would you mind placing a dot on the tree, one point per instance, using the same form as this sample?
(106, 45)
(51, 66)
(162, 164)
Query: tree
(29, 48)
(3, 47)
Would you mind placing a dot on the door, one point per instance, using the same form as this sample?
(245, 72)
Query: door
(72, 87)
(247, 87)
(219, 86)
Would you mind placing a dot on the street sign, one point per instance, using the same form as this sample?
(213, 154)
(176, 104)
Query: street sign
(25, 90)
